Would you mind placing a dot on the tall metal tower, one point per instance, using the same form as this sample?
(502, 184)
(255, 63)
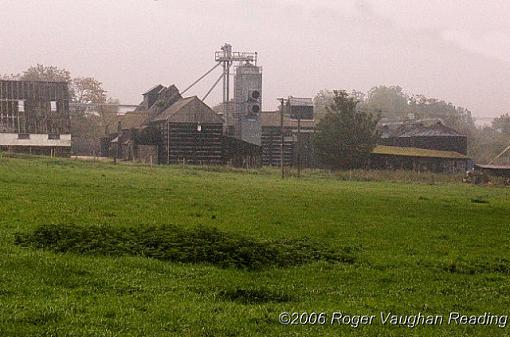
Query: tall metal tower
(226, 57)
(244, 114)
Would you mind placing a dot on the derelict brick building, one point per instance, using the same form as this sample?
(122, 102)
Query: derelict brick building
(34, 117)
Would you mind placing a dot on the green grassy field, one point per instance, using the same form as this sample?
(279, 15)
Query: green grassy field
(419, 248)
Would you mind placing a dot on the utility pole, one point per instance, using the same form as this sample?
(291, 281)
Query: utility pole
(299, 144)
(168, 143)
(282, 102)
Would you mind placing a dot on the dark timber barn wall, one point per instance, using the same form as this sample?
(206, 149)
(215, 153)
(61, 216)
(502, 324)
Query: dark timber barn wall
(239, 153)
(191, 132)
(271, 146)
(38, 116)
(272, 140)
(34, 117)
(188, 145)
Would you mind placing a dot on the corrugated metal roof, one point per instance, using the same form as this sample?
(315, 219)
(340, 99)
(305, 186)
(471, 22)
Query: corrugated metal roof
(416, 152)
(417, 130)
(493, 167)
(437, 129)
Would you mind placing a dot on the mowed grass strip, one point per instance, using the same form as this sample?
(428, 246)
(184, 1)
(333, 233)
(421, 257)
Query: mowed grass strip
(418, 248)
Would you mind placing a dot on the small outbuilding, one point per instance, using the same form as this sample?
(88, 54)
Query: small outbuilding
(494, 170)
(411, 158)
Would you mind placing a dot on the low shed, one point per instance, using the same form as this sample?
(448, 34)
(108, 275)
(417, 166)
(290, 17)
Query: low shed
(411, 158)
(494, 170)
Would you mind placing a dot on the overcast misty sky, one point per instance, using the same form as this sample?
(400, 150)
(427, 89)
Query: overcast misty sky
(457, 50)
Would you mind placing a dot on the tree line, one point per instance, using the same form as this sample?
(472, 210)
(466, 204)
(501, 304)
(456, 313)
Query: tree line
(393, 104)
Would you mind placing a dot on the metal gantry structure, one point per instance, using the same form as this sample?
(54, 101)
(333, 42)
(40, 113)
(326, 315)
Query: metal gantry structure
(225, 58)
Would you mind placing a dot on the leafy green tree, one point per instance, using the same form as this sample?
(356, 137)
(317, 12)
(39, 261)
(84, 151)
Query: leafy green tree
(345, 136)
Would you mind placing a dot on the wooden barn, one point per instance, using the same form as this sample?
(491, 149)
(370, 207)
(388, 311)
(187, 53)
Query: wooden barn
(191, 132)
(169, 129)
(418, 135)
(34, 117)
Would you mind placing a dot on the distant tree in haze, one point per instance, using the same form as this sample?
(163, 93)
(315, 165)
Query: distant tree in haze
(456, 117)
(392, 102)
(321, 101)
(345, 136)
(88, 127)
(89, 90)
(325, 98)
(502, 124)
(396, 105)
(11, 77)
(487, 143)
(41, 72)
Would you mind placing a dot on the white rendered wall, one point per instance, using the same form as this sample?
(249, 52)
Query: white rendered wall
(11, 139)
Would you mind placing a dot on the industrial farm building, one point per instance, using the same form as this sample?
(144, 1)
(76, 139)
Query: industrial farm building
(170, 129)
(34, 117)
(167, 127)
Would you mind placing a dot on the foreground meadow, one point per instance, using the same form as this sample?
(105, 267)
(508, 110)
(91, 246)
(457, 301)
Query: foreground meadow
(417, 248)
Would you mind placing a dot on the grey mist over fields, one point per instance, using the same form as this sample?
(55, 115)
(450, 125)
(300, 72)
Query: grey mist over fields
(457, 50)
